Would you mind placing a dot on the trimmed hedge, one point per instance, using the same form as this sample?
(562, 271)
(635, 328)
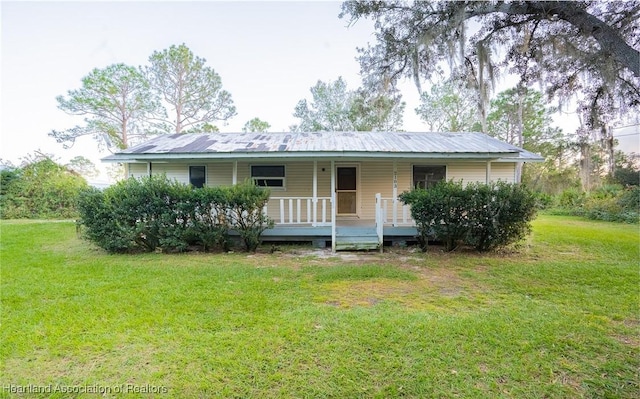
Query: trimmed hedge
(154, 213)
(485, 216)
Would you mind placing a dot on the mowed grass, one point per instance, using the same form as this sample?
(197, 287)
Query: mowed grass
(557, 318)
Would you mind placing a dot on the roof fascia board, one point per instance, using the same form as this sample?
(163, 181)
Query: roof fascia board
(502, 160)
(307, 155)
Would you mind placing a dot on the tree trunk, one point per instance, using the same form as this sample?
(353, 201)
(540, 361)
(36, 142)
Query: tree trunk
(178, 120)
(520, 129)
(585, 164)
(609, 144)
(125, 135)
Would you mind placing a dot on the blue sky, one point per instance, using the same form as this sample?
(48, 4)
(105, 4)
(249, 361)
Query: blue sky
(268, 55)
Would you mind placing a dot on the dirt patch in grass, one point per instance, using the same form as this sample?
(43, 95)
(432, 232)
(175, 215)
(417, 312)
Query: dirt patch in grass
(631, 339)
(435, 288)
(77, 368)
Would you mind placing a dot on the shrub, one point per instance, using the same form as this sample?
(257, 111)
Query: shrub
(627, 176)
(42, 189)
(100, 226)
(572, 197)
(484, 216)
(439, 213)
(246, 202)
(207, 213)
(499, 214)
(132, 214)
(544, 201)
(623, 206)
(155, 213)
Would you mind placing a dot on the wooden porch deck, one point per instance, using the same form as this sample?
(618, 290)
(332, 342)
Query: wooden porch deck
(351, 234)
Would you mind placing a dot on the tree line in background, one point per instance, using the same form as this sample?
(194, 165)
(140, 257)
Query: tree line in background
(41, 188)
(582, 54)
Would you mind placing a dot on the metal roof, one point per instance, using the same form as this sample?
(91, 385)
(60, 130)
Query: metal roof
(322, 144)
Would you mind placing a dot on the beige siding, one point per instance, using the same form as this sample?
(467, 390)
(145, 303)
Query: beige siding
(220, 174)
(503, 171)
(468, 172)
(173, 171)
(137, 170)
(375, 176)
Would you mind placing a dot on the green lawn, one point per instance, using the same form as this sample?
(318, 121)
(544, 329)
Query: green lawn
(558, 318)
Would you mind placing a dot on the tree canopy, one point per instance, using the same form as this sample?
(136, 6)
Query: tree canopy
(449, 107)
(521, 118)
(335, 108)
(82, 166)
(583, 47)
(122, 104)
(192, 90)
(256, 125)
(117, 105)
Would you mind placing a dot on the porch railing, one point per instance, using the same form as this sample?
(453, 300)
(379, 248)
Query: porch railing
(300, 210)
(392, 211)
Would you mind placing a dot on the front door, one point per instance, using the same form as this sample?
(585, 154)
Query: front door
(346, 192)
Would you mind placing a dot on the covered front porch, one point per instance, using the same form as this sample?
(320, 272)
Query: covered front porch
(308, 219)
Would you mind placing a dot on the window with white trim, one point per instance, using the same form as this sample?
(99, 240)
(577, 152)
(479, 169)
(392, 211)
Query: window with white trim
(272, 176)
(426, 176)
(197, 176)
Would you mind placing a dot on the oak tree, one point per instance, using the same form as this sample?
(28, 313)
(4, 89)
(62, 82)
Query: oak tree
(581, 50)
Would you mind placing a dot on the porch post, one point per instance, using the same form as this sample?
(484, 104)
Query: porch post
(333, 206)
(488, 172)
(149, 169)
(234, 173)
(395, 193)
(314, 201)
(379, 221)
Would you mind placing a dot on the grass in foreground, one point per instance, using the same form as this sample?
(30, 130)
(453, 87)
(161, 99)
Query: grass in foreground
(557, 319)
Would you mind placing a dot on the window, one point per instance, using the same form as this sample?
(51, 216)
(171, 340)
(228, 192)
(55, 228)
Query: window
(428, 176)
(197, 176)
(268, 175)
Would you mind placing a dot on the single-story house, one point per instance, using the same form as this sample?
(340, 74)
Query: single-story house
(329, 187)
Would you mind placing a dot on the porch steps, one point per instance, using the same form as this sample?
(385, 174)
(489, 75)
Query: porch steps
(356, 238)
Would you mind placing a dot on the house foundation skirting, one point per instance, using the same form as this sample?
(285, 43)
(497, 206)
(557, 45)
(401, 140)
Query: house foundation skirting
(347, 237)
